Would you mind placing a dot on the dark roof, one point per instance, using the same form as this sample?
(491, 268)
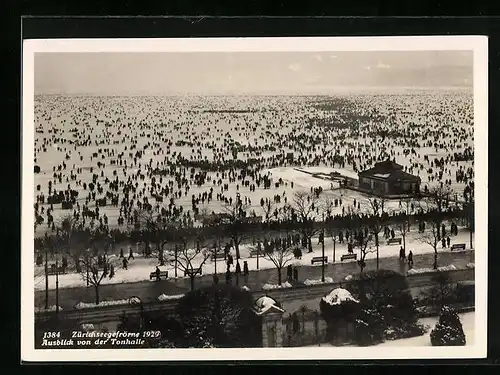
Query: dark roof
(402, 175)
(388, 170)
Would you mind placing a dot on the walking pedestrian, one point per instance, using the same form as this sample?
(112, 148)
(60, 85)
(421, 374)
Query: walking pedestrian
(130, 254)
(125, 263)
(228, 275)
(111, 271)
(289, 272)
(402, 255)
(448, 241)
(410, 259)
(443, 242)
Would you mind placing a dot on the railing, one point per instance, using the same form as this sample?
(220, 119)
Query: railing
(299, 292)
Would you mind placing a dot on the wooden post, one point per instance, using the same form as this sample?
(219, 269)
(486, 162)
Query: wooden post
(46, 280)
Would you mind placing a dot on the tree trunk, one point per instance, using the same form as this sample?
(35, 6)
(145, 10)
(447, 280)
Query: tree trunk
(76, 260)
(236, 241)
(96, 294)
(435, 258)
(309, 244)
(191, 279)
(160, 255)
(470, 237)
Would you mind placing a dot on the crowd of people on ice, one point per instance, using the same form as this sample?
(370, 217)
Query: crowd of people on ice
(106, 161)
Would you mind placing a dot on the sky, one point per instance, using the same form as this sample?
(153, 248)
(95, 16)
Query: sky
(199, 73)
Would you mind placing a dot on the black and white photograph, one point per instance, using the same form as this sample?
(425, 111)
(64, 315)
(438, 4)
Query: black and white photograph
(254, 198)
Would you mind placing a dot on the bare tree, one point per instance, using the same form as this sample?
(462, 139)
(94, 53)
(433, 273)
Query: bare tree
(431, 237)
(375, 208)
(190, 260)
(158, 228)
(234, 216)
(469, 210)
(403, 227)
(408, 205)
(305, 205)
(96, 261)
(280, 257)
(438, 199)
(363, 241)
(332, 228)
(73, 238)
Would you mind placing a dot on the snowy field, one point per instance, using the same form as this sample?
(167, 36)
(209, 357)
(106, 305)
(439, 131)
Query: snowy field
(468, 323)
(83, 133)
(139, 268)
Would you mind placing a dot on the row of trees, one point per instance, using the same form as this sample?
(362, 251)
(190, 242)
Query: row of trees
(187, 248)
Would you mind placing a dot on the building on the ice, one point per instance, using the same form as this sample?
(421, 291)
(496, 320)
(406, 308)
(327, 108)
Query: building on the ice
(388, 178)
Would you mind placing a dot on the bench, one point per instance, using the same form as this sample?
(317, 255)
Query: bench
(163, 274)
(458, 246)
(217, 256)
(319, 260)
(194, 272)
(348, 256)
(254, 253)
(393, 241)
(53, 271)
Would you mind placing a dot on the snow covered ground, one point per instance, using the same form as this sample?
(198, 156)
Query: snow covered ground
(467, 320)
(139, 268)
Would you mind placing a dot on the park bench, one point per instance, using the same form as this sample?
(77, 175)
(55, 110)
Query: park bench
(254, 252)
(163, 274)
(319, 260)
(217, 256)
(53, 271)
(348, 256)
(195, 272)
(393, 241)
(458, 246)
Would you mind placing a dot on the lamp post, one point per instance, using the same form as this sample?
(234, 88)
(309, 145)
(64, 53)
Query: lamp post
(57, 275)
(323, 250)
(137, 301)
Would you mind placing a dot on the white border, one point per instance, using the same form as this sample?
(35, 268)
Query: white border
(479, 46)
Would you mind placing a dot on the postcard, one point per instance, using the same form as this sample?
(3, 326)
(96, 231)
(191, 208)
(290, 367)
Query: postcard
(254, 198)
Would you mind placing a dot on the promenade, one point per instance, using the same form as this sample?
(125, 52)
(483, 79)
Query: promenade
(149, 291)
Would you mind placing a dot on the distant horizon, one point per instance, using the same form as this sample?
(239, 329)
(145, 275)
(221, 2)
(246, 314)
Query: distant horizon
(248, 73)
(353, 90)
